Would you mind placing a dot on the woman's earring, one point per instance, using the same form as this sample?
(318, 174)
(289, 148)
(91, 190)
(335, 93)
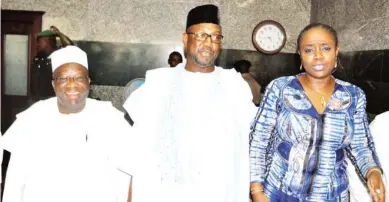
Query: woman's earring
(336, 65)
(301, 67)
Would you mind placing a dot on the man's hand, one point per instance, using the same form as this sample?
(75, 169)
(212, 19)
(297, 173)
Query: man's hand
(65, 41)
(55, 30)
(376, 186)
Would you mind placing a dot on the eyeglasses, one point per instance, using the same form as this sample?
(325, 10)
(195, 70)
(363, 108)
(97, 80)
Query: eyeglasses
(201, 36)
(78, 79)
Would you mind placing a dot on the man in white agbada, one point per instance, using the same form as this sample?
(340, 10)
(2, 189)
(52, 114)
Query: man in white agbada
(380, 132)
(67, 148)
(192, 124)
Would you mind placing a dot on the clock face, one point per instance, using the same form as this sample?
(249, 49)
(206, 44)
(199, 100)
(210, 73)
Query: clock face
(269, 37)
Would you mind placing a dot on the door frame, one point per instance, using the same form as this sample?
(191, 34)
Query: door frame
(31, 17)
(34, 21)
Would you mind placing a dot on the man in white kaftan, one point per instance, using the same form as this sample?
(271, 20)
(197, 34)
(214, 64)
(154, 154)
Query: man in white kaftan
(379, 130)
(67, 148)
(192, 124)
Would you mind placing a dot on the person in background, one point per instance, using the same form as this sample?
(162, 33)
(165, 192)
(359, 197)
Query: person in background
(69, 147)
(175, 58)
(192, 124)
(305, 126)
(243, 67)
(358, 188)
(41, 74)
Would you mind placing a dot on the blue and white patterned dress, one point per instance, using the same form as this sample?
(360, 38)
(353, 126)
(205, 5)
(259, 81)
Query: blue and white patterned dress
(298, 154)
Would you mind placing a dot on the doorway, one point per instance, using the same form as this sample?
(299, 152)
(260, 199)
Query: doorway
(19, 30)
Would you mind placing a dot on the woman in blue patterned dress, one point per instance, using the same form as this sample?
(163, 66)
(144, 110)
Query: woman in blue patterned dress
(307, 125)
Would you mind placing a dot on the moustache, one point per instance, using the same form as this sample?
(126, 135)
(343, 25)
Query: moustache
(206, 50)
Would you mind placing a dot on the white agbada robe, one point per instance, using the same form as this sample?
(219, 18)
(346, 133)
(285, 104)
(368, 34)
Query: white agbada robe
(67, 158)
(380, 133)
(192, 131)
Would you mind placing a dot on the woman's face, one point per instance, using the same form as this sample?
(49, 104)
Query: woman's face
(318, 52)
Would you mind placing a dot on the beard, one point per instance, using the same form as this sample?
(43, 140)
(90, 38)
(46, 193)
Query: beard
(209, 62)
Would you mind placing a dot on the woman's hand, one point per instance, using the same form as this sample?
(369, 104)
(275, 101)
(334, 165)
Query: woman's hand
(376, 185)
(257, 194)
(260, 197)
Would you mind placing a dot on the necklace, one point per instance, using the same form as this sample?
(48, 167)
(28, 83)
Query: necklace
(322, 96)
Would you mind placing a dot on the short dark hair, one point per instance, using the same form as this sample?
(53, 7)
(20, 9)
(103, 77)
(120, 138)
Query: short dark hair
(242, 66)
(175, 53)
(326, 27)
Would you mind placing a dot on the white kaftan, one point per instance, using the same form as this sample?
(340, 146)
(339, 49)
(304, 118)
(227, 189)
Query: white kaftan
(192, 136)
(66, 157)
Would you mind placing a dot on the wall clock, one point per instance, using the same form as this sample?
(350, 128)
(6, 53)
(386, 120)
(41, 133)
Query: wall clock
(269, 37)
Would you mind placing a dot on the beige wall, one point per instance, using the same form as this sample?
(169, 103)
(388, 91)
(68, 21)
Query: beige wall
(361, 25)
(163, 21)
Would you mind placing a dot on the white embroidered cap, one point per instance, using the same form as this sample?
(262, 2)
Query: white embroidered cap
(68, 54)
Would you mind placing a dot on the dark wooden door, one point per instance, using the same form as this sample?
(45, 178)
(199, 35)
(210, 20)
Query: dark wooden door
(18, 45)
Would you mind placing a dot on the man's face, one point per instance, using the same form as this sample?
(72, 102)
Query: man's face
(202, 53)
(45, 45)
(174, 60)
(71, 85)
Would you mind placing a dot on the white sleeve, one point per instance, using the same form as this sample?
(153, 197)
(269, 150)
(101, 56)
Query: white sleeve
(18, 136)
(126, 144)
(140, 100)
(136, 103)
(245, 108)
(136, 106)
(379, 131)
(16, 140)
(15, 179)
(122, 149)
(119, 139)
(358, 191)
(245, 113)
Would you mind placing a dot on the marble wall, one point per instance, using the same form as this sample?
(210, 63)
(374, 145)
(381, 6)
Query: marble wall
(124, 39)
(361, 25)
(109, 93)
(363, 30)
(370, 71)
(163, 21)
(367, 69)
(113, 65)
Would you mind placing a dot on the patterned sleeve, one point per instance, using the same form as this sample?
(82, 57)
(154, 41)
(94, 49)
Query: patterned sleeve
(261, 131)
(362, 149)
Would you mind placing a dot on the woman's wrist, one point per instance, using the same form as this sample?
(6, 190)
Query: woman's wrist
(256, 188)
(372, 170)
